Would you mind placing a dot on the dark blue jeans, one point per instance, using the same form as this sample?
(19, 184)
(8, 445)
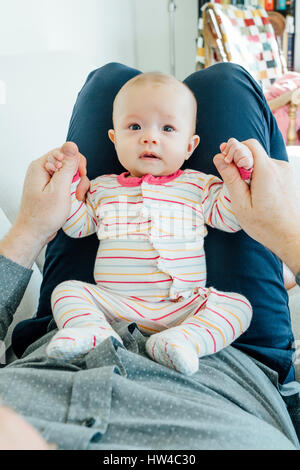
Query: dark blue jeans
(230, 104)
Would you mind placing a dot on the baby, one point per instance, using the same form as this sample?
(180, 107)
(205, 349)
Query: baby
(151, 222)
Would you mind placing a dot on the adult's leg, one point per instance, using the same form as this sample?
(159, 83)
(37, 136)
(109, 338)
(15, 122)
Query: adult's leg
(138, 404)
(232, 104)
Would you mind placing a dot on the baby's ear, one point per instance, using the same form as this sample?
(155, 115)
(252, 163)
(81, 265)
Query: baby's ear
(111, 135)
(193, 143)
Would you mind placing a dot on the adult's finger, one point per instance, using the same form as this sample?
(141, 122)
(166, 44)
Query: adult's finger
(259, 154)
(37, 177)
(65, 175)
(69, 149)
(70, 165)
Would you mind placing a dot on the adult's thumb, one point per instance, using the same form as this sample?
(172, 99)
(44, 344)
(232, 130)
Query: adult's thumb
(65, 175)
(71, 160)
(220, 163)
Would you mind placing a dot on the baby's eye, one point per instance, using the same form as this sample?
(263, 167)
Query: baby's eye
(168, 128)
(134, 127)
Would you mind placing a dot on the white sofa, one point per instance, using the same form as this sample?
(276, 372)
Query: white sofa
(29, 303)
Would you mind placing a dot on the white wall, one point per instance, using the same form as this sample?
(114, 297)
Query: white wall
(153, 39)
(47, 49)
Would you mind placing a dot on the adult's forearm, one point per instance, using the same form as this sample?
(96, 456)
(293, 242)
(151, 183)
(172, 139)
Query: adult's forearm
(289, 253)
(285, 243)
(20, 246)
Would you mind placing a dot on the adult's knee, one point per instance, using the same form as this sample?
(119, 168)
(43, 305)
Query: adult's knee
(227, 69)
(113, 71)
(223, 76)
(230, 74)
(110, 67)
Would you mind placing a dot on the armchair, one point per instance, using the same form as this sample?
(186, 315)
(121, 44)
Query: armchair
(246, 36)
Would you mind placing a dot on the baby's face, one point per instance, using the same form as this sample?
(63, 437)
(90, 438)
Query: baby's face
(153, 128)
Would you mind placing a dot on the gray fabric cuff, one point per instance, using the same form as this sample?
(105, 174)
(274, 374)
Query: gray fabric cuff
(14, 280)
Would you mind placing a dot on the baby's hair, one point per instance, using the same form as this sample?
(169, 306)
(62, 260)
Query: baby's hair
(158, 78)
(155, 77)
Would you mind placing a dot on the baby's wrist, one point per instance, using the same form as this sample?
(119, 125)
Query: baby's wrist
(245, 174)
(76, 177)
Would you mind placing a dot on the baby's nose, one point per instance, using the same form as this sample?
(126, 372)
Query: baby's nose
(149, 140)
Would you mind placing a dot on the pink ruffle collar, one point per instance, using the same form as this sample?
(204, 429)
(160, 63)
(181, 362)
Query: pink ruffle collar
(150, 179)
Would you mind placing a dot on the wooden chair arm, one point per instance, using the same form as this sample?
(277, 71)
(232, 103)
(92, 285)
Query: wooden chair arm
(291, 98)
(286, 98)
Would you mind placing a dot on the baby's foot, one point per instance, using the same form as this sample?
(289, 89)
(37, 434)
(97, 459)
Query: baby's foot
(174, 349)
(71, 343)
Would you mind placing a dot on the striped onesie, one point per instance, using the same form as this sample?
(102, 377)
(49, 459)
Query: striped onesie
(150, 269)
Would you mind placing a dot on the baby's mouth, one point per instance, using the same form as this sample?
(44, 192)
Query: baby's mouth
(149, 156)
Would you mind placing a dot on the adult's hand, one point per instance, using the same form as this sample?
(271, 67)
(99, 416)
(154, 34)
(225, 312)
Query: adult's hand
(17, 434)
(45, 205)
(269, 209)
(55, 160)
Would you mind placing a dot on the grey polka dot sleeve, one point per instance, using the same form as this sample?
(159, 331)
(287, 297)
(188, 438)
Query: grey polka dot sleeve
(13, 282)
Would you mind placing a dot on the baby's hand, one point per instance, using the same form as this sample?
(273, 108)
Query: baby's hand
(54, 161)
(238, 153)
